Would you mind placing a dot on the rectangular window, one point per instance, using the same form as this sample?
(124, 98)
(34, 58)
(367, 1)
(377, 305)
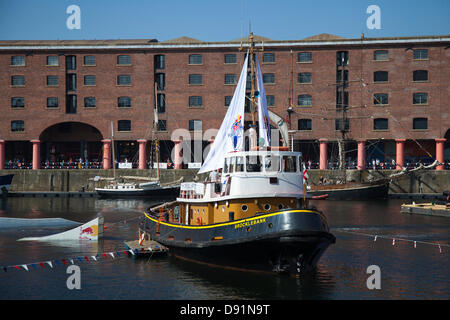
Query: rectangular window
(52, 61)
(71, 62)
(420, 75)
(195, 101)
(228, 100)
(381, 55)
(89, 102)
(305, 77)
(124, 80)
(268, 57)
(18, 80)
(124, 125)
(304, 124)
(420, 98)
(195, 59)
(17, 102)
(339, 77)
(230, 58)
(342, 58)
(380, 76)
(230, 79)
(123, 60)
(420, 123)
(17, 60)
(342, 125)
(52, 102)
(304, 100)
(161, 98)
(195, 125)
(380, 124)
(270, 100)
(160, 61)
(71, 103)
(195, 79)
(304, 57)
(380, 99)
(17, 126)
(421, 54)
(272, 163)
(289, 163)
(89, 60)
(52, 81)
(268, 78)
(89, 80)
(162, 125)
(160, 79)
(124, 102)
(71, 82)
(339, 99)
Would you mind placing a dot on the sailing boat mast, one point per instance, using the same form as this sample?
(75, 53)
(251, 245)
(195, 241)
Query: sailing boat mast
(113, 153)
(252, 77)
(155, 125)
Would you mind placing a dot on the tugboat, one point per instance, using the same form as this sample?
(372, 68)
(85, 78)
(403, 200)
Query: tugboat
(254, 217)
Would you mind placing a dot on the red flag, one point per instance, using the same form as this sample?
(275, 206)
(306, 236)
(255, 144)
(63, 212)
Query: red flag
(42, 265)
(87, 259)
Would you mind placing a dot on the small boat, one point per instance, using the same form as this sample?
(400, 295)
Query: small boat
(5, 183)
(439, 208)
(133, 190)
(351, 191)
(254, 216)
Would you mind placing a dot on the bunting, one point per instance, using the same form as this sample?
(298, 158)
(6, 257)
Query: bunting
(65, 261)
(394, 240)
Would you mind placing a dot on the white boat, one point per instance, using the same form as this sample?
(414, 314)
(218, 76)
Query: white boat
(256, 216)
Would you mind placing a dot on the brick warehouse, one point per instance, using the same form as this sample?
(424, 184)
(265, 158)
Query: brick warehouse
(58, 98)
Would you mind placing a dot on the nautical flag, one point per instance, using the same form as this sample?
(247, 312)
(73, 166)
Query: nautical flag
(263, 113)
(305, 174)
(231, 133)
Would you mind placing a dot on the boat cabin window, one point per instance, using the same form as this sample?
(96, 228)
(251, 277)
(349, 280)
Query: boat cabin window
(253, 163)
(226, 165)
(232, 164)
(272, 163)
(289, 163)
(239, 164)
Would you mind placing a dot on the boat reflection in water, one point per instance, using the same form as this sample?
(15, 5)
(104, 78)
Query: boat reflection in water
(253, 217)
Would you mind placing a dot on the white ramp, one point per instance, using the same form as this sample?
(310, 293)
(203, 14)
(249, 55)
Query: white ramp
(92, 230)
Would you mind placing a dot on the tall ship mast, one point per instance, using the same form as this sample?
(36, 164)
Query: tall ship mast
(250, 214)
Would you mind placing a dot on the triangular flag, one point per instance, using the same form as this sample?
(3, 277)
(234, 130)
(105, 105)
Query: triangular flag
(375, 238)
(17, 267)
(415, 244)
(57, 262)
(25, 266)
(50, 264)
(42, 265)
(93, 257)
(87, 259)
(71, 261)
(34, 266)
(105, 255)
(111, 254)
(149, 248)
(79, 259)
(131, 252)
(118, 253)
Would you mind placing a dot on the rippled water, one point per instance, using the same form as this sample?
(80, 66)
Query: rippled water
(406, 272)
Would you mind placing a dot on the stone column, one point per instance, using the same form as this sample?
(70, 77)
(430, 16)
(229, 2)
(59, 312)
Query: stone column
(178, 161)
(361, 155)
(440, 152)
(106, 154)
(2, 154)
(142, 154)
(400, 154)
(36, 154)
(323, 164)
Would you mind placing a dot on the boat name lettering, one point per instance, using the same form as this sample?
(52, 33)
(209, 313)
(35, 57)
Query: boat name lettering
(249, 223)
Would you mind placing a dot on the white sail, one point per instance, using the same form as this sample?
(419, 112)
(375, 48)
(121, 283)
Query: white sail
(231, 133)
(263, 113)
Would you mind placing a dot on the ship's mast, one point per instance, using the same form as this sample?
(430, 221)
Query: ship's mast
(252, 78)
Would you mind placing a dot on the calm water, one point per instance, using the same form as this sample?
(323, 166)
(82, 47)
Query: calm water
(406, 272)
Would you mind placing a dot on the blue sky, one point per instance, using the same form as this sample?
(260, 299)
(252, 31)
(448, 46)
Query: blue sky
(211, 20)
